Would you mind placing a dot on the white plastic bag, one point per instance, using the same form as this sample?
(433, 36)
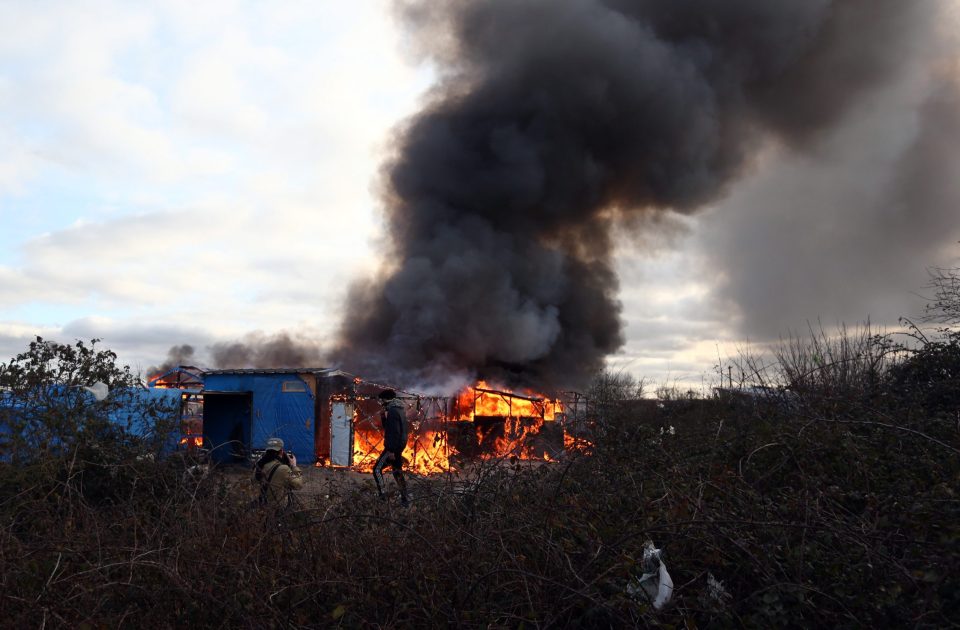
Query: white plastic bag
(655, 584)
(99, 390)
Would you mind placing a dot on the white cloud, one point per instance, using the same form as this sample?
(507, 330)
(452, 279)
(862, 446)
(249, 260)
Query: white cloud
(17, 168)
(223, 150)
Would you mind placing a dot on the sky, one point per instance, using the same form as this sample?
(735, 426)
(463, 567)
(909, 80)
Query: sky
(199, 173)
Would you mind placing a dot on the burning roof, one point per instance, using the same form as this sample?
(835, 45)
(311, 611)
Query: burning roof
(180, 377)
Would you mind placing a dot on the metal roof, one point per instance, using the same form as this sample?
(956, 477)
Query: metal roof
(193, 373)
(304, 370)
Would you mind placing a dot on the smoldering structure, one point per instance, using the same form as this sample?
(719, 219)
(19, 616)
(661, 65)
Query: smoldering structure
(328, 417)
(555, 122)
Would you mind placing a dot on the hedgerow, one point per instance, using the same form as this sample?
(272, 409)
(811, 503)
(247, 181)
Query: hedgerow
(822, 508)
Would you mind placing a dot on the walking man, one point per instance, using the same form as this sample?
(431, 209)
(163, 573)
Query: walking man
(394, 420)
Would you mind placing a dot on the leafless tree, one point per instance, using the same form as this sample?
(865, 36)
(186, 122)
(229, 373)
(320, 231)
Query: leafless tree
(944, 306)
(610, 386)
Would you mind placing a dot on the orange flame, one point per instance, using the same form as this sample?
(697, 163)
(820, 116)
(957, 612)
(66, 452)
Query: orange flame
(480, 422)
(483, 400)
(427, 451)
(192, 441)
(511, 424)
(160, 384)
(578, 444)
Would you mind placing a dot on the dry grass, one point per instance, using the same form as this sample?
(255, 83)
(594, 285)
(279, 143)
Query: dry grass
(805, 520)
(828, 508)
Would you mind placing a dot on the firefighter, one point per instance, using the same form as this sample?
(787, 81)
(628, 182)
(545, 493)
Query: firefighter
(394, 420)
(278, 475)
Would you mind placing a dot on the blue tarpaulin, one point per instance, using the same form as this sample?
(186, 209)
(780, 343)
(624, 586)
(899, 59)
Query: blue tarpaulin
(132, 413)
(135, 409)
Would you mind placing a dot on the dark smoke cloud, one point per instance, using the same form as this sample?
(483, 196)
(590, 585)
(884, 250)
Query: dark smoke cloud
(258, 350)
(176, 355)
(254, 350)
(552, 121)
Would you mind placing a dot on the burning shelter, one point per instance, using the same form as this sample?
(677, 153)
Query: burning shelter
(183, 377)
(329, 417)
(185, 381)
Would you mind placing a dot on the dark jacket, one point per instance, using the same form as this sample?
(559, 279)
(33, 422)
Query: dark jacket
(394, 419)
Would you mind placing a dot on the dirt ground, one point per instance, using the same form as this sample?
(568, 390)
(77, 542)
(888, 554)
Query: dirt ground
(317, 480)
(328, 481)
(332, 483)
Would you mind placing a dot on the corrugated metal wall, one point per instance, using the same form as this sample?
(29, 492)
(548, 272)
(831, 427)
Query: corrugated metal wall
(281, 405)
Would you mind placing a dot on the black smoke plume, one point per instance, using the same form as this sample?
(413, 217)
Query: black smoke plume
(257, 350)
(254, 350)
(554, 122)
(177, 355)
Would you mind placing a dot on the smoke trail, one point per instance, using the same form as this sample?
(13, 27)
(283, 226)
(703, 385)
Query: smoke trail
(257, 350)
(254, 350)
(176, 356)
(555, 120)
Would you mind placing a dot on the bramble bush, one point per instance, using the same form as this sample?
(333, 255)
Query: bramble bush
(831, 510)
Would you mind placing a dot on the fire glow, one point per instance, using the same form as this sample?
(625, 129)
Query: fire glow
(510, 425)
(428, 450)
(481, 422)
(482, 400)
(192, 441)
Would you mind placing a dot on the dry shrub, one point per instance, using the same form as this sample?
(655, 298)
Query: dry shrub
(805, 521)
(809, 515)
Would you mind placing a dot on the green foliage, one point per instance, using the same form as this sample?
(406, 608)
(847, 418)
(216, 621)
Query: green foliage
(47, 410)
(47, 363)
